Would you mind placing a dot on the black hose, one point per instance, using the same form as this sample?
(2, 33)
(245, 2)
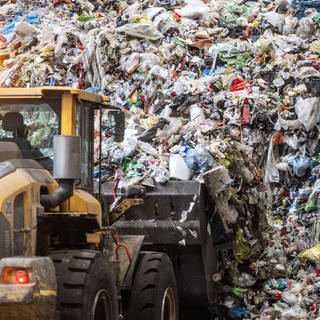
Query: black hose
(64, 192)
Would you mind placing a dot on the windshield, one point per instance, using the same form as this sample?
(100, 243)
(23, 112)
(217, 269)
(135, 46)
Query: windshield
(31, 127)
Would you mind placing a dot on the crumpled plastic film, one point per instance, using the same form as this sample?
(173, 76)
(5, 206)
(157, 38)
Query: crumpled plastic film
(211, 90)
(241, 249)
(312, 254)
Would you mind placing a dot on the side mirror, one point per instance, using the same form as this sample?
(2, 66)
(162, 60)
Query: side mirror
(116, 125)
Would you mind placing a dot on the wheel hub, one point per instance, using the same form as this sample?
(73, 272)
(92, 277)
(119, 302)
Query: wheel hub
(101, 308)
(168, 310)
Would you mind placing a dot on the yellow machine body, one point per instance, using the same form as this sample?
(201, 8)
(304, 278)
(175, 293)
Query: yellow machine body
(20, 182)
(34, 225)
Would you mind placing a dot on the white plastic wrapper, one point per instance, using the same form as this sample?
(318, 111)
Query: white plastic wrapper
(178, 168)
(271, 171)
(291, 141)
(290, 25)
(287, 124)
(308, 111)
(196, 113)
(295, 313)
(25, 28)
(306, 28)
(145, 30)
(131, 63)
(195, 9)
(275, 19)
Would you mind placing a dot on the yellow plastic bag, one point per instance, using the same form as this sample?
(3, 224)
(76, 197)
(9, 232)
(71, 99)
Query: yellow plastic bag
(312, 254)
(241, 248)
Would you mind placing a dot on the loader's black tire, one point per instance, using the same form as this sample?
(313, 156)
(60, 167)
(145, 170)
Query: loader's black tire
(154, 292)
(86, 286)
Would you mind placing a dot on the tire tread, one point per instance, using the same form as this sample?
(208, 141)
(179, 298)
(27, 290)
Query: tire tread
(72, 270)
(146, 286)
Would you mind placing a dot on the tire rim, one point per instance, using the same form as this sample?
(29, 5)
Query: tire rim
(101, 308)
(168, 309)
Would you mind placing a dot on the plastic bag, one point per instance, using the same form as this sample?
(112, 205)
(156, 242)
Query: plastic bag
(241, 249)
(306, 28)
(60, 40)
(294, 313)
(287, 124)
(313, 85)
(132, 9)
(291, 141)
(312, 254)
(244, 149)
(299, 165)
(306, 72)
(199, 159)
(226, 211)
(195, 9)
(216, 180)
(147, 148)
(133, 168)
(271, 171)
(308, 111)
(196, 113)
(315, 46)
(290, 298)
(161, 175)
(131, 63)
(10, 27)
(178, 168)
(290, 24)
(238, 84)
(278, 138)
(25, 28)
(169, 129)
(144, 30)
(239, 312)
(159, 72)
(278, 284)
(127, 150)
(147, 60)
(159, 171)
(275, 19)
(315, 171)
(179, 87)
(312, 203)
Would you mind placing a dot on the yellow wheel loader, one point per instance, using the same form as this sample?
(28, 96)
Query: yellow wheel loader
(57, 260)
(68, 250)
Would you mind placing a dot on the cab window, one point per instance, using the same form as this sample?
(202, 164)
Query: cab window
(32, 127)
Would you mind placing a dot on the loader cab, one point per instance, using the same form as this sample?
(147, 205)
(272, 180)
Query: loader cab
(31, 126)
(31, 117)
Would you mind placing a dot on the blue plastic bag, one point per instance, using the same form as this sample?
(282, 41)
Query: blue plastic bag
(238, 313)
(199, 160)
(32, 19)
(302, 5)
(9, 28)
(299, 165)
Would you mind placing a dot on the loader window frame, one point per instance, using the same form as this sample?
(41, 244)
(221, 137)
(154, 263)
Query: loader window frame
(85, 129)
(89, 124)
(19, 224)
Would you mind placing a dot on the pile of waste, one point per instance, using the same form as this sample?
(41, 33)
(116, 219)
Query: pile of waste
(226, 88)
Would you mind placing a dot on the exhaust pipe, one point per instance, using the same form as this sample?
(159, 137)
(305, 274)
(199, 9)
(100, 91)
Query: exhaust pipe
(66, 169)
(63, 193)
